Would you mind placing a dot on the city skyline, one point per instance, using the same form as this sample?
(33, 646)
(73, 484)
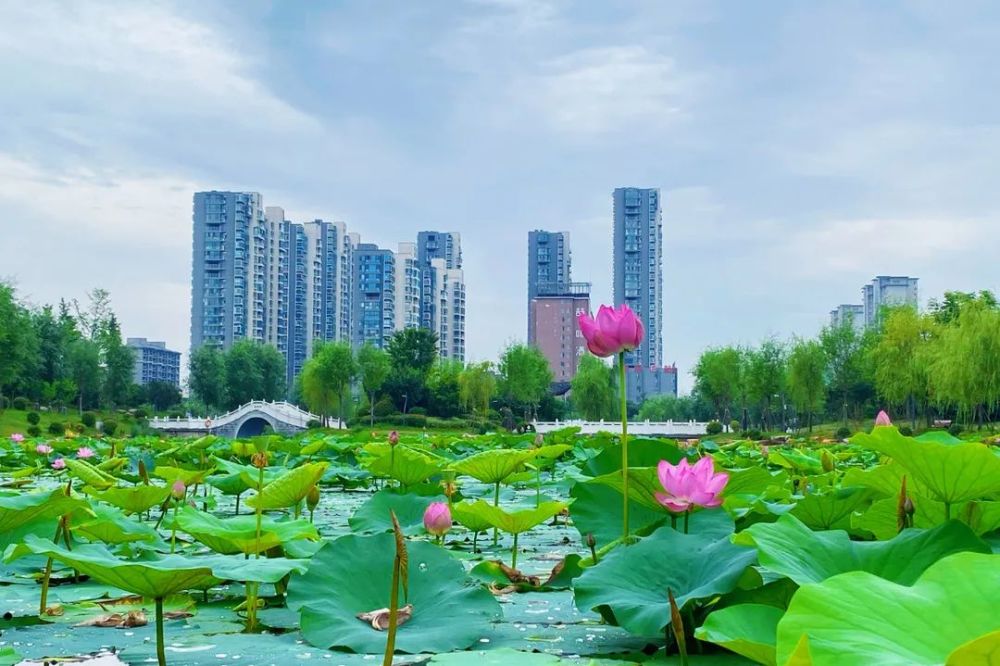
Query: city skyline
(799, 150)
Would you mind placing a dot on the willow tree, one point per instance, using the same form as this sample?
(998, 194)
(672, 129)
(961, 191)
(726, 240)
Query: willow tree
(965, 372)
(326, 378)
(806, 369)
(476, 386)
(593, 388)
(900, 359)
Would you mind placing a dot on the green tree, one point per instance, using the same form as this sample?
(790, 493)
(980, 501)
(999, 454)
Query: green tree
(946, 310)
(900, 359)
(765, 378)
(415, 348)
(476, 385)
(593, 388)
(207, 376)
(848, 375)
(119, 365)
(244, 378)
(806, 369)
(93, 319)
(965, 371)
(18, 350)
(718, 375)
(668, 408)
(443, 389)
(162, 395)
(525, 376)
(85, 369)
(273, 370)
(326, 378)
(374, 365)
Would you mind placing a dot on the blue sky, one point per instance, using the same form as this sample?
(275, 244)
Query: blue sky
(801, 148)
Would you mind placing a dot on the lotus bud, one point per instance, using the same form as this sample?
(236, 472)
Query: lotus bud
(393, 438)
(259, 459)
(883, 419)
(437, 518)
(909, 508)
(178, 489)
(828, 463)
(677, 625)
(591, 541)
(312, 499)
(449, 488)
(902, 519)
(143, 474)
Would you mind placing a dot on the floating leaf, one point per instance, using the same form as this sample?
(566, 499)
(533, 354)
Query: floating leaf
(239, 534)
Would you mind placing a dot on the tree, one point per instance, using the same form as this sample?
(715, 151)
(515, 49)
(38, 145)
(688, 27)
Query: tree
(765, 378)
(93, 320)
(946, 310)
(806, 368)
(85, 369)
(374, 365)
(476, 386)
(119, 364)
(443, 389)
(415, 348)
(717, 378)
(244, 378)
(17, 346)
(965, 370)
(407, 388)
(273, 370)
(162, 395)
(848, 374)
(667, 408)
(207, 376)
(900, 359)
(593, 388)
(326, 378)
(525, 376)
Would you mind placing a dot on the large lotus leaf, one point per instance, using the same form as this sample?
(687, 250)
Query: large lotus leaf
(374, 515)
(880, 517)
(830, 510)
(951, 472)
(469, 518)
(21, 509)
(135, 499)
(158, 577)
(629, 586)
(190, 477)
(885, 479)
(89, 474)
(753, 482)
(110, 526)
(493, 466)
(748, 629)
(290, 488)
(938, 436)
(597, 510)
(982, 651)
(239, 533)
(501, 657)
(551, 452)
(798, 461)
(405, 465)
(642, 452)
(515, 522)
(643, 484)
(860, 618)
(789, 548)
(248, 474)
(353, 575)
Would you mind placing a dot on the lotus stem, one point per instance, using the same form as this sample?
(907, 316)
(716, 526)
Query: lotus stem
(390, 639)
(173, 531)
(496, 502)
(947, 511)
(475, 538)
(538, 486)
(624, 403)
(687, 515)
(237, 512)
(161, 656)
(513, 553)
(48, 572)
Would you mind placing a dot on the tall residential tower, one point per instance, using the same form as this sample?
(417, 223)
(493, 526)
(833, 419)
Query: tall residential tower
(549, 263)
(638, 266)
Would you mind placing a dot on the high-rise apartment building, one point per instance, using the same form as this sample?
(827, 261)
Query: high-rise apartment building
(154, 362)
(374, 319)
(230, 269)
(555, 331)
(549, 263)
(638, 266)
(848, 312)
(439, 257)
(888, 291)
(408, 275)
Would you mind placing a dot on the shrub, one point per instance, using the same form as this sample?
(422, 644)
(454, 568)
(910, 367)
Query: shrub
(175, 415)
(57, 428)
(754, 435)
(140, 414)
(88, 419)
(734, 426)
(20, 404)
(33, 418)
(109, 427)
(954, 430)
(713, 428)
(418, 411)
(384, 407)
(906, 431)
(843, 432)
(313, 424)
(34, 431)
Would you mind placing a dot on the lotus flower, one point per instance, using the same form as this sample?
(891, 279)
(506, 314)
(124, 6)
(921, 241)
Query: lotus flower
(393, 438)
(437, 518)
(178, 489)
(883, 419)
(688, 486)
(17, 438)
(85, 452)
(43, 449)
(614, 330)
(58, 463)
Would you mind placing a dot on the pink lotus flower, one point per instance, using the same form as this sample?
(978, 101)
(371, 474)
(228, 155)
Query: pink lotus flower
(689, 486)
(437, 518)
(393, 438)
(614, 330)
(178, 489)
(43, 449)
(58, 463)
(883, 419)
(85, 452)
(17, 438)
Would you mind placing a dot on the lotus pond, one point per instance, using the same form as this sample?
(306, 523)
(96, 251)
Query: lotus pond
(880, 550)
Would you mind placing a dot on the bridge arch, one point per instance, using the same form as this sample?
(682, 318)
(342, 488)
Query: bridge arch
(253, 424)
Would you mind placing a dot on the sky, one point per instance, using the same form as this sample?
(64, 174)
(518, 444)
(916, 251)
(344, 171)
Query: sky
(800, 148)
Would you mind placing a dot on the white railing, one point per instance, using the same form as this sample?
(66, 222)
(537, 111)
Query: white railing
(280, 411)
(678, 428)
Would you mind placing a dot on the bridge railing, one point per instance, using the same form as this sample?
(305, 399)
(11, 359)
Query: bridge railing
(646, 427)
(283, 410)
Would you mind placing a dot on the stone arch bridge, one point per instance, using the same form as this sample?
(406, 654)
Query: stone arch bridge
(245, 421)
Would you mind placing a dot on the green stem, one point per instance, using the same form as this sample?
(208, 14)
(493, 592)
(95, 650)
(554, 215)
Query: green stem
(475, 538)
(687, 514)
(624, 401)
(538, 487)
(390, 640)
(173, 531)
(513, 553)
(48, 573)
(496, 502)
(161, 656)
(947, 511)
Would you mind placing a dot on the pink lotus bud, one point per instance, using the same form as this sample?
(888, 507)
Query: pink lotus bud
(539, 439)
(43, 449)
(614, 330)
(58, 463)
(883, 419)
(393, 438)
(437, 518)
(85, 452)
(688, 486)
(17, 438)
(178, 489)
